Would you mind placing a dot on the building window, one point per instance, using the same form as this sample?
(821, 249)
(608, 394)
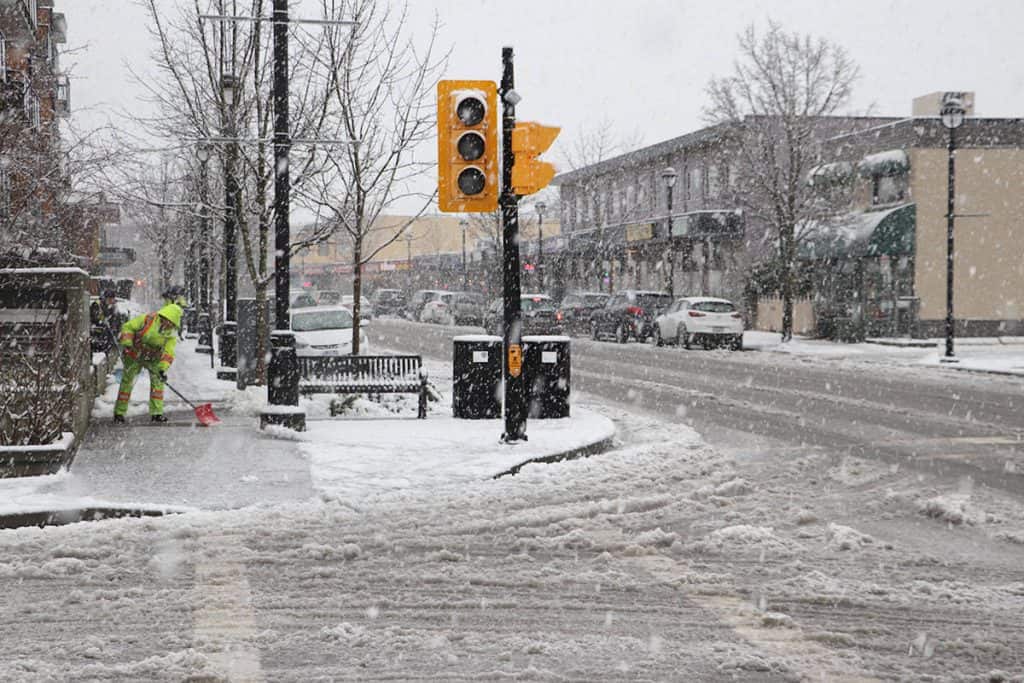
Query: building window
(3, 59)
(733, 176)
(32, 109)
(888, 189)
(323, 249)
(713, 188)
(694, 186)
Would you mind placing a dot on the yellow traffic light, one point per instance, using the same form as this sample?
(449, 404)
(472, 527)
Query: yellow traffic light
(468, 159)
(529, 141)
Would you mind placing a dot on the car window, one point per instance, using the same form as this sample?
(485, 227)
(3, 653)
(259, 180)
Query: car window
(446, 298)
(653, 302)
(339, 319)
(596, 299)
(570, 301)
(714, 306)
(536, 303)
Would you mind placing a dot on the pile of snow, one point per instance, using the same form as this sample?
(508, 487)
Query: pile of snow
(952, 508)
(739, 537)
(847, 538)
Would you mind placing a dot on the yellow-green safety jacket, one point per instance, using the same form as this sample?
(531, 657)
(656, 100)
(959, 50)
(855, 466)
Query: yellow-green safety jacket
(144, 342)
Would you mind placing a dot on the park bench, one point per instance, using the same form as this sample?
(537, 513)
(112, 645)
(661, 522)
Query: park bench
(364, 375)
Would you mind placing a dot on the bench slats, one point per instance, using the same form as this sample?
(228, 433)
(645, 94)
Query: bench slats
(363, 374)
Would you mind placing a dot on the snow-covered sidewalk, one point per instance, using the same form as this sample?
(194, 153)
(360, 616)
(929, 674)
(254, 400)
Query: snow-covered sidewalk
(1001, 355)
(373, 448)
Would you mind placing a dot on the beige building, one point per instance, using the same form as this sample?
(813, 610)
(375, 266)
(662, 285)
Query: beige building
(894, 245)
(421, 252)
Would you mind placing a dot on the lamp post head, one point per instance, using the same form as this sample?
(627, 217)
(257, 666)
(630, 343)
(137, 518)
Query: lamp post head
(227, 88)
(541, 206)
(669, 175)
(952, 113)
(203, 152)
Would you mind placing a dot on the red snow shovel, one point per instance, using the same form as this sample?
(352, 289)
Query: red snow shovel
(204, 413)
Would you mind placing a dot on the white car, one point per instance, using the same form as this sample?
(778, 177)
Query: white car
(439, 310)
(698, 319)
(325, 331)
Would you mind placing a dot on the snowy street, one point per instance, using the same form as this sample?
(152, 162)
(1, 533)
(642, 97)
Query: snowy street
(666, 558)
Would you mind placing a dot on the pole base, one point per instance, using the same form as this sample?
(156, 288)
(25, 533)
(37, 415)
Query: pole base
(204, 349)
(296, 421)
(949, 359)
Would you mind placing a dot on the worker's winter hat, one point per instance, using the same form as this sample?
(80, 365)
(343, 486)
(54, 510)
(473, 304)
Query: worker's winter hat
(171, 313)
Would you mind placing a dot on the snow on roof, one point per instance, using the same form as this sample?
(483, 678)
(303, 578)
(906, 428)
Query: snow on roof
(889, 162)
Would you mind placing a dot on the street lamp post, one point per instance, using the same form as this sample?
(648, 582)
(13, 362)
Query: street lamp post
(283, 370)
(205, 344)
(952, 118)
(409, 262)
(229, 333)
(540, 244)
(669, 175)
(464, 224)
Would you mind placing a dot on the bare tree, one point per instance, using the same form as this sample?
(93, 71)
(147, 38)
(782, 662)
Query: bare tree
(381, 98)
(781, 86)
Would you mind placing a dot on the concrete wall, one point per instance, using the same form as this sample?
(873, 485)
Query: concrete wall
(989, 251)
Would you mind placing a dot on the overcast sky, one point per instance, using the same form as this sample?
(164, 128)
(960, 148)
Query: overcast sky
(641, 65)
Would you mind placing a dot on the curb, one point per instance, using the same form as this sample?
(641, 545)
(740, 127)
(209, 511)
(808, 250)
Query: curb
(44, 518)
(595, 448)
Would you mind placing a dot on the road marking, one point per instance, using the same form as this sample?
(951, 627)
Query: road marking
(739, 615)
(225, 618)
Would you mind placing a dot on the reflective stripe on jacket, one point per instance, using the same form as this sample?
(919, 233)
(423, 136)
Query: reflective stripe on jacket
(143, 341)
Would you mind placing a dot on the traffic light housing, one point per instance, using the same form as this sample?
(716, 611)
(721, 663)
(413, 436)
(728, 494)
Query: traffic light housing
(468, 158)
(529, 141)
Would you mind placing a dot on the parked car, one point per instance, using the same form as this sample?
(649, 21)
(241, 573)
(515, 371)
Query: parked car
(628, 314)
(299, 298)
(387, 302)
(365, 308)
(328, 297)
(576, 308)
(324, 331)
(538, 315)
(454, 308)
(419, 298)
(698, 319)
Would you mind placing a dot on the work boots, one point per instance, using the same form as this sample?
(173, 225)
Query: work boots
(157, 418)
(119, 419)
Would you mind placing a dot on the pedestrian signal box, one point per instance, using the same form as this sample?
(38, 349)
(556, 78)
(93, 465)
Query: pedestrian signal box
(468, 158)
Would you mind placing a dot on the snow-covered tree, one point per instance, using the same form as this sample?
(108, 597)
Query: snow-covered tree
(781, 85)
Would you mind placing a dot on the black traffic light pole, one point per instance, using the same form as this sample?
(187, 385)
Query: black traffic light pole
(515, 388)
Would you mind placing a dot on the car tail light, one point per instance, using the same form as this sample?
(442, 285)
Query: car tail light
(635, 310)
(558, 316)
(695, 314)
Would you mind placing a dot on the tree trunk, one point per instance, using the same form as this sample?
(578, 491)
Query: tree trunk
(357, 288)
(262, 325)
(786, 280)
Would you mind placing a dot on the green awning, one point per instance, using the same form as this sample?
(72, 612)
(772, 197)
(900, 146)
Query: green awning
(870, 234)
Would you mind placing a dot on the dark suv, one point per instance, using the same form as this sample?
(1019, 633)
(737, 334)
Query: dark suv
(629, 313)
(576, 308)
(387, 302)
(538, 315)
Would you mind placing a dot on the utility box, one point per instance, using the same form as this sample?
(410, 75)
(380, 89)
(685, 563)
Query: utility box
(547, 374)
(477, 377)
